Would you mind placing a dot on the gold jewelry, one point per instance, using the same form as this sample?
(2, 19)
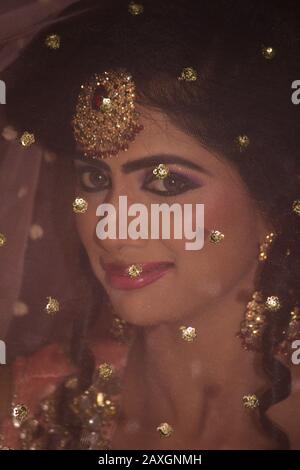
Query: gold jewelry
(95, 408)
(253, 324)
(265, 246)
(106, 119)
(121, 330)
(255, 319)
(105, 371)
(273, 303)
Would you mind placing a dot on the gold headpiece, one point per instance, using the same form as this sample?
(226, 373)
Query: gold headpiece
(106, 120)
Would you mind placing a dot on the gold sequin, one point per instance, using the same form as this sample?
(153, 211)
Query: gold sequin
(216, 236)
(100, 399)
(80, 205)
(296, 207)
(27, 139)
(135, 270)
(106, 120)
(19, 414)
(52, 306)
(106, 105)
(242, 141)
(105, 371)
(188, 74)
(165, 430)
(120, 330)
(161, 171)
(3, 239)
(268, 52)
(188, 333)
(135, 8)
(273, 303)
(250, 401)
(53, 41)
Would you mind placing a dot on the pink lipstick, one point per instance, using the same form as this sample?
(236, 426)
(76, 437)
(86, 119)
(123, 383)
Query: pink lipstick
(117, 274)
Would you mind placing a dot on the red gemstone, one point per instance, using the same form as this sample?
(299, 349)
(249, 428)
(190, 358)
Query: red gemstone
(97, 100)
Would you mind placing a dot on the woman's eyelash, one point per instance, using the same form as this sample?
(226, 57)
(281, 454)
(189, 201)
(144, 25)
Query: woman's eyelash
(175, 183)
(93, 179)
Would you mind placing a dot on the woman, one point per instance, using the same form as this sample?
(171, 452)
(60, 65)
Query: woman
(162, 102)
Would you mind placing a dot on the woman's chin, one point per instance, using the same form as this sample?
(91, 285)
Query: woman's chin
(138, 317)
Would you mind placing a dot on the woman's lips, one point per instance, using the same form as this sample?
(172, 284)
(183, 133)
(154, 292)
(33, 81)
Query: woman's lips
(117, 275)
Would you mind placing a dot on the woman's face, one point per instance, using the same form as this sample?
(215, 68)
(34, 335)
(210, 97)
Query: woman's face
(194, 280)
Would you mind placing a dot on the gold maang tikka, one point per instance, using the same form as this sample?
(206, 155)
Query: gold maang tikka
(106, 119)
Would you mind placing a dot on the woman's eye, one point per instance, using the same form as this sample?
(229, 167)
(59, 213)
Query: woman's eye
(93, 179)
(172, 185)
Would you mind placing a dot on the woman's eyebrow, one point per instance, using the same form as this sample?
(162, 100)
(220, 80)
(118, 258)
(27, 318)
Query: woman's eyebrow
(93, 161)
(153, 160)
(149, 161)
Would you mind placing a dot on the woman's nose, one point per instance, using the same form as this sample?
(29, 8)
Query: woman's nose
(122, 223)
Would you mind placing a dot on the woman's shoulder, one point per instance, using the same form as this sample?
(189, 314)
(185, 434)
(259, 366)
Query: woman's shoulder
(37, 375)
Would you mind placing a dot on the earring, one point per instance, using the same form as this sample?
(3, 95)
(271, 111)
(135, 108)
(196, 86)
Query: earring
(120, 330)
(265, 246)
(253, 323)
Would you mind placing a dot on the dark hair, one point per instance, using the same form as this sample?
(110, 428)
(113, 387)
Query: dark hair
(238, 91)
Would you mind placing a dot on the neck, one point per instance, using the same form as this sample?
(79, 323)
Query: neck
(189, 384)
